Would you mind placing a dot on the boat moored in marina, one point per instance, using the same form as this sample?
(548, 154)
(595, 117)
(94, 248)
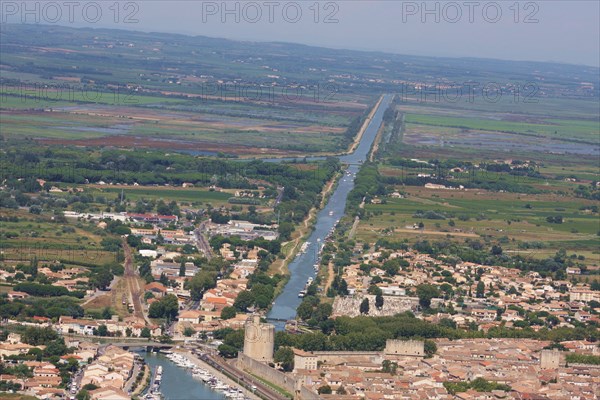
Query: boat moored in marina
(304, 247)
(204, 375)
(154, 390)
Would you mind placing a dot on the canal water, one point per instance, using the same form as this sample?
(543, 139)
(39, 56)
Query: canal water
(301, 268)
(178, 383)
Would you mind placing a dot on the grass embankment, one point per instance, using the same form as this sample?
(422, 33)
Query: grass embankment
(274, 386)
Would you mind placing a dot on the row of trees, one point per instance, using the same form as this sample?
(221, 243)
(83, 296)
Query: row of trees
(365, 333)
(39, 290)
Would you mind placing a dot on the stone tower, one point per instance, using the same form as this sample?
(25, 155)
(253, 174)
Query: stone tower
(414, 348)
(259, 340)
(550, 359)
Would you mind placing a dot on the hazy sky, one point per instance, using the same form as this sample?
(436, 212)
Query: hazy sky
(547, 30)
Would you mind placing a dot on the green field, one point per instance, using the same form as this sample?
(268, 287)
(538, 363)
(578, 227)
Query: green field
(512, 219)
(565, 129)
(47, 241)
(516, 210)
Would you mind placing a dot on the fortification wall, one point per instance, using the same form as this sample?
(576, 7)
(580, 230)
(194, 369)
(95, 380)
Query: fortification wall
(341, 357)
(267, 373)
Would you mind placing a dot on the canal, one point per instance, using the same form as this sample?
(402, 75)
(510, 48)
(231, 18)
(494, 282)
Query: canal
(178, 383)
(301, 268)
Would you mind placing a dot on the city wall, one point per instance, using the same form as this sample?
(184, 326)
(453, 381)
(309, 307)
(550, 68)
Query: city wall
(267, 373)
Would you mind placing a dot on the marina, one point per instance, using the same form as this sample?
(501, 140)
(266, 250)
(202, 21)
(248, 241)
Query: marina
(178, 382)
(209, 380)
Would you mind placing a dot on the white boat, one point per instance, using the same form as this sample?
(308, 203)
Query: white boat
(221, 387)
(304, 247)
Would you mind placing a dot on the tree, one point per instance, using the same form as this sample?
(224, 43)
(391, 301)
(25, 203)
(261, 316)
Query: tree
(83, 395)
(228, 313)
(156, 310)
(228, 351)
(374, 289)
(448, 323)
(285, 357)
(364, 306)
(389, 367)
(102, 330)
(167, 307)
(244, 300)
(37, 336)
(188, 331)
(285, 230)
(343, 289)
(37, 353)
(145, 333)
(262, 301)
(305, 309)
(56, 348)
(379, 301)
(163, 279)
(430, 348)
(426, 292)
(33, 267)
(182, 268)
(201, 282)
(496, 250)
(106, 313)
(325, 389)
(480, 290)
(552, 320)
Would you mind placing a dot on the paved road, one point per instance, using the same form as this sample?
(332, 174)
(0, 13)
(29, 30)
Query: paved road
(137, 366)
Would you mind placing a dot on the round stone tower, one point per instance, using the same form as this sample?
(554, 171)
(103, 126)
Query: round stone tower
(259, 339)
